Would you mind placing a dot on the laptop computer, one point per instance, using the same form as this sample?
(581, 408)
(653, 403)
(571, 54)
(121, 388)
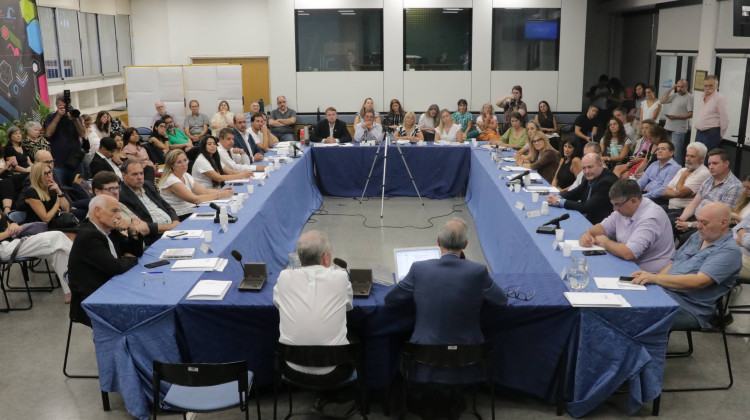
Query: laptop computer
(254, 276)
(361, 279)
(405, 257)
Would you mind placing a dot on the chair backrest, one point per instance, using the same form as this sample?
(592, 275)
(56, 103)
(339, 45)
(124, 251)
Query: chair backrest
(319, 356)
(202, 374)
(447, 355)
(17, 217)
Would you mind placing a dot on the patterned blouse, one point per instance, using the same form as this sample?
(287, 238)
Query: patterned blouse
(35, 146)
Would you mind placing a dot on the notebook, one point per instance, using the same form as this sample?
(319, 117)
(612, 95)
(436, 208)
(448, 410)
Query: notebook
(361, 279)
(405, 257)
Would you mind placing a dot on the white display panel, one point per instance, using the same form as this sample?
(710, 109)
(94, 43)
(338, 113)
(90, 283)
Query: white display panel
(731, 85)
(667, 72)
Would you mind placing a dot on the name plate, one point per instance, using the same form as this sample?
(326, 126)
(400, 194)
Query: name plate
(206, 248)
(533, 213)
(520, 206)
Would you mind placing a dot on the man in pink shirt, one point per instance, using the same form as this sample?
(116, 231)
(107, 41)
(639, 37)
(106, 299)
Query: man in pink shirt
(712, 119)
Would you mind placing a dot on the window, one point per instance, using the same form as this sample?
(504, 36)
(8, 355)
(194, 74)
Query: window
(525, 39)
(69, 43)
(339, 40)
(437, 39)
(124, 51)
(49, 42)
(108, 43)
(90, 44)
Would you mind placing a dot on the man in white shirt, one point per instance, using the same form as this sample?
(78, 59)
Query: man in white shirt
(234, 157)
(622, 115)
(368, 129)
(102, 160)
(313, 301)
(688, 180)
(256, 130)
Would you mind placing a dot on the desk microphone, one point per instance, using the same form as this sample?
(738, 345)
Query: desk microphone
(556, 222)
(519, 176)
(341, 263)
(230, 218)
(237, 256)
(296, 149)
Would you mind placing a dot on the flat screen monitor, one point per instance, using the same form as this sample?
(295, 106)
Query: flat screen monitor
(405, 257)
(542, 29)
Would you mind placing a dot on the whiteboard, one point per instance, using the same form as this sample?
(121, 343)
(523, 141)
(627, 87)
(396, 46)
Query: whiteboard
(731, 85)
(176, 86)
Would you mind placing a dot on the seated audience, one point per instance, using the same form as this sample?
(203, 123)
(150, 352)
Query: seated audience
(312, 302)
(688, 180)
(282, 120)
(107, 183)
(622, 115)
(394, 117)
(368, 129)
(119, 156)
(703, 269)
(102, 125)
(487, 124)
(533, 131)
(93, 139)
(584, 126)
(159, 141)
(161, 112)
(721, 187)
(591, 198)
(196, 124)
(615, 144)
(99, 252)
(34, 141)
(546, 119)
(448, 295)
(590, 147)
(179, 189)
(635, 230)
(543, 157)
(742, 209)
(429, 121)
(143, 200)
(409, 130)
(740, 235)
(515, 136)
(269, 140)
(569, 166)
(463, 118)
(43, 198)
(222, 118)
(134, 150)
(651, 107)
(657, 176)
(207, 169)
(645, 154)
(102, 160)
(14, 152)
(244, 140)
(513, 103)
(177, 138)
(448, 130)
(234, 157)
(332, 129)
(368, 105)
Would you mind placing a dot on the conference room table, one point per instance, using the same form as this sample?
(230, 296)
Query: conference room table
(138, 319)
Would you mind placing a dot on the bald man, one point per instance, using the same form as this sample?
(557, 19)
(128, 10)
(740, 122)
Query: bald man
(702, 270)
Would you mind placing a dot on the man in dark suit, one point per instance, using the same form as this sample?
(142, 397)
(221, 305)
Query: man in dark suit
(141, 199)
(331, 129)
(99, 252)
(591, 197)
(102, 160)
(244, 140)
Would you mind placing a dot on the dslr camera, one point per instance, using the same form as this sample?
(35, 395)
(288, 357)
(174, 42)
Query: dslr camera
(513, 103)
(74, 113)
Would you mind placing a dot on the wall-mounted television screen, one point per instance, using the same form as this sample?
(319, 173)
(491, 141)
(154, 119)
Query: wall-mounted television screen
(542, 29)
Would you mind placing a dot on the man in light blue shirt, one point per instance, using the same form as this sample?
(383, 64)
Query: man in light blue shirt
(658, 175)
(635, 229)
(703, 269)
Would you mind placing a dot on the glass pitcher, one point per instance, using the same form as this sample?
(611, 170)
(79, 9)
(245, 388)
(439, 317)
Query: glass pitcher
(578, 274)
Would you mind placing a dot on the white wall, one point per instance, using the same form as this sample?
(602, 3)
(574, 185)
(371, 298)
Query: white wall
(171, 31)
(724, 37)
(672, 25)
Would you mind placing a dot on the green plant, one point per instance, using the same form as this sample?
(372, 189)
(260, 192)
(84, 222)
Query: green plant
(38, 114)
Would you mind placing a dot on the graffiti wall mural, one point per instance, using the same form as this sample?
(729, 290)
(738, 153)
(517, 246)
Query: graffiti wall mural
(23, 80)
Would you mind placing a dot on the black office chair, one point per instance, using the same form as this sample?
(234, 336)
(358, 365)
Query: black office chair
(448, 357)
(27, 264)
(720, 322)
(318, 356)
(740, 309)
(105, 395)
(203, 387)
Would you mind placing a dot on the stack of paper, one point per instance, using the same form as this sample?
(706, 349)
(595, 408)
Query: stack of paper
(614, 283)
(177, 253)
(585, 299)
(201, 264)
(209, 290)
(202, 216)
(576, 246)
(509, 168)
(540, 189)
(186, 234)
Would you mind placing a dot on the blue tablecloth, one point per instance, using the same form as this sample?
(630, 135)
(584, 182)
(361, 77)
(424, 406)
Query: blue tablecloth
(439, 171)
(136, 322)
(610, 346)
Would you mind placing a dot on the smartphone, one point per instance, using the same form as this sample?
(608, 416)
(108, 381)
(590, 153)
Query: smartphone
(596, 252)
(156, 264)
(626, 279)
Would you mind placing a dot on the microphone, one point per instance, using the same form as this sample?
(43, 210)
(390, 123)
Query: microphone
(218, 209)
(230, 218)
(296, 149)
(550, 230)
(341, 263)
(237, 256)
(557, 220)
(519, 176)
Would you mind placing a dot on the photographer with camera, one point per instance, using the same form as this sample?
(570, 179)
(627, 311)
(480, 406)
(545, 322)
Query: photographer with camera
(513, 103)
(64, 129)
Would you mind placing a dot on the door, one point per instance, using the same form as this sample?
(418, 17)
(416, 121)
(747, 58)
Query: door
(255, 74)
(734, 84)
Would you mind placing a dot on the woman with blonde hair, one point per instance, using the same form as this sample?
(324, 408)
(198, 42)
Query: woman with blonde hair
(487, 124)
(43, 198)
(179, 189)
(409, 130)
(222, 118)
(448, 130)
(542, 157)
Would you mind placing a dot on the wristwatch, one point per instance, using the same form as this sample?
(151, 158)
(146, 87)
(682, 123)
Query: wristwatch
(690, 225)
